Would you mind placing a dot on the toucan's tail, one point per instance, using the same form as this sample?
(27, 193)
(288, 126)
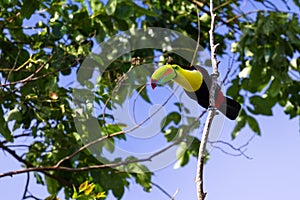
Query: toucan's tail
(230, 108)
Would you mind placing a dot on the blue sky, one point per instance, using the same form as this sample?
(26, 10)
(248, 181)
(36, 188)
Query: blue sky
(273, 173)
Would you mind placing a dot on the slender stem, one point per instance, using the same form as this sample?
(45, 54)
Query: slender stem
(163, 190)
(26, 185)
(198, 39)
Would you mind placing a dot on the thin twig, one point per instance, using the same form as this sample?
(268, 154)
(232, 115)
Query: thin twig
(175, 193)
(241, 151)
(26, 185)
(229, 68)
(162, 190)
(248, 142)
(135, 101)
(198, 38)
(103, 114)
(12, 69)
(32, 197)
(211, 113)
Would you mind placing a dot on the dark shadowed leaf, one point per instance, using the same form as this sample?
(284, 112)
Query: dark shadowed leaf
(253, 124)
(171, 117)
(241, 122)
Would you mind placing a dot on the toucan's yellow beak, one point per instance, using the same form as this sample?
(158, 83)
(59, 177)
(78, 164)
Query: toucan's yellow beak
(162, 75)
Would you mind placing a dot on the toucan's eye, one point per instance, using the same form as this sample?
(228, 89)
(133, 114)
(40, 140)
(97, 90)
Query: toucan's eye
(175, 67)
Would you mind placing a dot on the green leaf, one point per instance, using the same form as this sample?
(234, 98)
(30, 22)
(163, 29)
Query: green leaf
(5, 2)
(121, 25)
(245, 72)
(29, 7)
(194, 146)
(183, 160)
(297, 2)
(109, 145)
(14, 114)
(56, 29)
(4, 130)
(144, 179)
(141, 10)
(274, 88)
(234, 89)
(171, 117)
(183, 155)
(111, 6)
(53, 186)
(83, 186)
(39, 179)
(253, 125)
(290, 108)
(75, 194)
(116, 182)
(114, 128)
(262, 105)
(205, 18)
(51, 197)
(96, 6)
(124, 11)
(144, 94)
(171, 133)
(241, 122)
(181, 150)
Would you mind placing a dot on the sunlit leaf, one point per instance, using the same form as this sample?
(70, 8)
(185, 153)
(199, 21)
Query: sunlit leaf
(111, 7)
(83, 186)
(89, 189)
(100, 195)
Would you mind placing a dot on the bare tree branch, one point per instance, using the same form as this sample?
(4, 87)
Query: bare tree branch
(211, 112)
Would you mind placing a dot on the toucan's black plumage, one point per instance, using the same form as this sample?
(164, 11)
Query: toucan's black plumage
(197, 86)
(226, 105)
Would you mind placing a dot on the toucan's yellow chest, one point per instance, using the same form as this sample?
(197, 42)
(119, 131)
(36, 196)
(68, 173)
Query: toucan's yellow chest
(190, 80)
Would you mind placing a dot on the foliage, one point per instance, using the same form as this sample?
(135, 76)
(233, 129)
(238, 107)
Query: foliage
(43, 43)
(86, 192)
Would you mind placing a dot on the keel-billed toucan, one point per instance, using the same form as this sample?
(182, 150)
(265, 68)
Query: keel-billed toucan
(196, 82)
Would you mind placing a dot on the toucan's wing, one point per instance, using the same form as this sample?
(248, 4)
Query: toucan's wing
(206, 76)
(226, 105)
